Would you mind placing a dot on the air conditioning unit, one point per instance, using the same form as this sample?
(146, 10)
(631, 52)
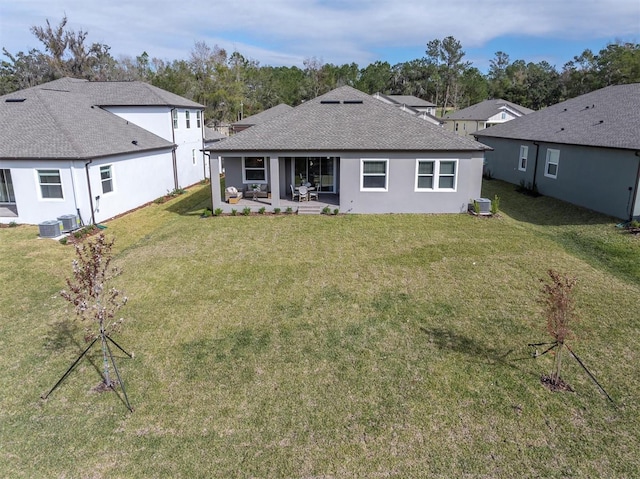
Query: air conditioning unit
(485, 205)
(50, 229)
(69, 222)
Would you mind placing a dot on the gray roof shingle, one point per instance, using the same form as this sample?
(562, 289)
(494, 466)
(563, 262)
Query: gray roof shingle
(346, 119)
(263, 116)
(486, 109)
(608, 117)
(63, 119)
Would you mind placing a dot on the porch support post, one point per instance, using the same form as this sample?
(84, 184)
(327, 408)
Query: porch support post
(214, 171)
(274, 180)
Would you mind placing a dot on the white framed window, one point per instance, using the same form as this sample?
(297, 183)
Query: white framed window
(552, 163)
(447, 174)
(174, 114)
(50, 184)
(425, 174)
(187, 118)
(6, 187)
(374, 175)
(522, 159)
(254, 169)
(198, 119)
(106, 178)
(193, 156)
(436, 175)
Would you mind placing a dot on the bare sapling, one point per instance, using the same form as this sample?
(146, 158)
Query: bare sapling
(560, 315)
(94, 301)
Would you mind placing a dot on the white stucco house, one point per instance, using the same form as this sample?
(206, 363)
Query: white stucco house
(94, 149)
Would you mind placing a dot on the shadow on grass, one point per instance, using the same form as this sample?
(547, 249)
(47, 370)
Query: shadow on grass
(62, 335)
(540, 210)
(193, 203)
(447, 340)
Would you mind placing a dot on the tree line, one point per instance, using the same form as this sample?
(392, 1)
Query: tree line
(232, 86)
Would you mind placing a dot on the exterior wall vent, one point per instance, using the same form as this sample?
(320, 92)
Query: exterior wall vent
(50, 229)
(69, 222)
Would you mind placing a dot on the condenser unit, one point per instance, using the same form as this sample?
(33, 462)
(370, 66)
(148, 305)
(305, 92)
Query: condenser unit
(69, 222)
(484, 205)
(50, 229)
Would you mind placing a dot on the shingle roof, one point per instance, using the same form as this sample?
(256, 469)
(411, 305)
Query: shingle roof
(63, 120)
(486, 109)
(263, 116)
(606, 118)
(346, 119)
(212, 135)
(411, 100)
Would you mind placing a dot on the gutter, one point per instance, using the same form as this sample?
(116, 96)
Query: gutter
(86, 168)
(173, 151)
(635, 189)
(535, 167)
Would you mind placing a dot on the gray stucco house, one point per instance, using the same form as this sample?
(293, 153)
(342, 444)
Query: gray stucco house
(370, 156)
(585, 151)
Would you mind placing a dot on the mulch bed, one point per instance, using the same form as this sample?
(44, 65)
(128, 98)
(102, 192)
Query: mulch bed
(555, 386)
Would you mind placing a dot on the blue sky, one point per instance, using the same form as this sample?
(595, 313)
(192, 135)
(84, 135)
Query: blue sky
(286, 32)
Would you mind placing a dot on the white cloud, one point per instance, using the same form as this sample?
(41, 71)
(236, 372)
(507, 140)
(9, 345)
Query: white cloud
(287, 31)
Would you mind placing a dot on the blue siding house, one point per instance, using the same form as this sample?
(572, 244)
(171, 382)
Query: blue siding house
(584, 151)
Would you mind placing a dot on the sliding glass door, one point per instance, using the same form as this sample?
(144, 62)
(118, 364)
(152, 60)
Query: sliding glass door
(319, 171)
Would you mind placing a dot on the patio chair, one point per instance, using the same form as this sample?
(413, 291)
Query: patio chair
(293, 193)
(314, 194)
(304, 193)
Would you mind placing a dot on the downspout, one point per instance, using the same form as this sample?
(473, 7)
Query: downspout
(86, 168)
(635, 188)
(173, 153)
(534, 188)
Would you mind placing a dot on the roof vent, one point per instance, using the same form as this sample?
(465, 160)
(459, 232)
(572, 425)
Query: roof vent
(15, 100)
(352, 102)
(135, 142)
(329, 102)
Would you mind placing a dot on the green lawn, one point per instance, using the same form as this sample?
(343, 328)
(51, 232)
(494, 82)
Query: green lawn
(327, 347)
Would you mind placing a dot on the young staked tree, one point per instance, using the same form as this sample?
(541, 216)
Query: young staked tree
(560, 314)
(94, 301)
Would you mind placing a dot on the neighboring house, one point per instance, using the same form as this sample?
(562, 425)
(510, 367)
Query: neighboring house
(371, 156)
(212, 136)
(413, 105)
(468, 121)
(585, 151)
(94, 149)
(261, 117)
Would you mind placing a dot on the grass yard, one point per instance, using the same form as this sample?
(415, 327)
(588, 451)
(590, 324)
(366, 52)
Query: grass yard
(348, 346)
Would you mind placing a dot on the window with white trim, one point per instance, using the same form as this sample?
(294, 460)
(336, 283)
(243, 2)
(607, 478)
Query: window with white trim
(551, 165)
(6, 187)
(198, 118)
(50, 184)
(436, 175)
(374, 175)
(193, 156)
(187, 117)
(447, 172)
(174, 113)
(106, 178)
(425, 175)
(522, 159)
(254, 169)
